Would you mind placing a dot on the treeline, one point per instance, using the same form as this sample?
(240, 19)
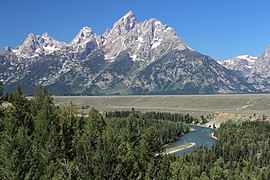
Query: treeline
(174, 117)
(42, 141)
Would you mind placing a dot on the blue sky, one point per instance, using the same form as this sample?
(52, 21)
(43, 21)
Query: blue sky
(220, 29)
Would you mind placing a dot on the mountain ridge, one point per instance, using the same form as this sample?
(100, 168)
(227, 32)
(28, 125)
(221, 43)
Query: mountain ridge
(131, 57)
(255, 69)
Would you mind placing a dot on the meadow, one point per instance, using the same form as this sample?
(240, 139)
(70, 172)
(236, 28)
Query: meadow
(193, 104)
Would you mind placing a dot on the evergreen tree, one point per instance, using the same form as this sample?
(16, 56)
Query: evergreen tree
(46, 141)
(67, 119)
(86, 144)
(15, 146)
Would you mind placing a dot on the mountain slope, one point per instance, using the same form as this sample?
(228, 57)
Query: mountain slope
(129, 58)
(242, 63)
(256, 70)
(260, 73)
(189, 72)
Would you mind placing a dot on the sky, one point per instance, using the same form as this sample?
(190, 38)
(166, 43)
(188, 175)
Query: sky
(221, 29)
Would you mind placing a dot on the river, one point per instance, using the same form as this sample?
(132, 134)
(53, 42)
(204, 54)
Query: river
(201, 136)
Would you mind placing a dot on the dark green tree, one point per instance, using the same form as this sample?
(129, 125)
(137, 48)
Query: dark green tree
(15, 146)
(67, 119)
(46, 140)
(87, 142)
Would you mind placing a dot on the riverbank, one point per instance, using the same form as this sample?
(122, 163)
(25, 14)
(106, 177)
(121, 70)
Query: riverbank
(178, 148)
(212, 135)
(200, 136)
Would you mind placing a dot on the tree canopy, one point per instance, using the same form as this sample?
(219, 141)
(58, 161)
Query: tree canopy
(39, 140)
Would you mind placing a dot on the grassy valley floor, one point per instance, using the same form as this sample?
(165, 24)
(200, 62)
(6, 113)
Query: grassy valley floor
(218, 108)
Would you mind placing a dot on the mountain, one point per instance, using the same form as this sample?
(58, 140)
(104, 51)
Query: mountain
(129, 58)
(146, 41)
(260, 74)
(255, 70)
(243, 64)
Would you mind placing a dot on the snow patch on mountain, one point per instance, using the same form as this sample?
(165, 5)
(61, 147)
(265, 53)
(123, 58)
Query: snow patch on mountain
(130, 57)
(243, 63)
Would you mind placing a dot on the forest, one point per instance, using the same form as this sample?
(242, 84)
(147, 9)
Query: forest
(39, 140)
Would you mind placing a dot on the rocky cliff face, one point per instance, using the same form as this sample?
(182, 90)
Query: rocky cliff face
(255, 70)
(129, 58)
(146, 41)
(242, 63)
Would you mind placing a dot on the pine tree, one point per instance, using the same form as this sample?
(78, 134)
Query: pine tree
(41, 96)
(87, 142)
(15, 146)
(67, 118)
(46, 141)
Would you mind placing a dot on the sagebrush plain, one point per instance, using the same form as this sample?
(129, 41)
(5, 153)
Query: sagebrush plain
(194, 104)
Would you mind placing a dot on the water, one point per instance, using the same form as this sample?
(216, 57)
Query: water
(201, 136)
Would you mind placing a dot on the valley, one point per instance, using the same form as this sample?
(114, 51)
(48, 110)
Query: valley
(89, 90)
(218, 108)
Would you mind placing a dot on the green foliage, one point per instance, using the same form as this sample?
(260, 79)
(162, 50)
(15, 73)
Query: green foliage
(240, 153)
(16, 132)
(41, 141)
(157, 116)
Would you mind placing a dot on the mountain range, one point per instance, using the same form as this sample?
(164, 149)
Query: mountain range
(255, 70)
(129, 58)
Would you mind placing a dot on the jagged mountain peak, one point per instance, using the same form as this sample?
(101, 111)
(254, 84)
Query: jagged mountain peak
(86, 28)
(156, 26)
(30, 36)
(246, 57)
(129, 15)
(243, 63)
(266, 54)
(45, 35)
(154, 21)
(85, 31)
(123, 25)
(84, 43)
(30, 48)
(84, 34)
(146, 41)
(153, 24)
(49, 44)
(30, 40)
(144, 57)
(243, 56)
(35, 46)
(125, 34)
(255, 70)
(240, 60)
